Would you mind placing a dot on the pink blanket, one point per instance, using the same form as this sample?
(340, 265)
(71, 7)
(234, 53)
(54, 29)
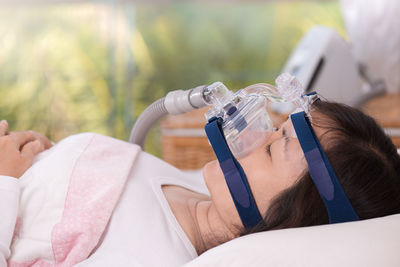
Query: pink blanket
(95, 185)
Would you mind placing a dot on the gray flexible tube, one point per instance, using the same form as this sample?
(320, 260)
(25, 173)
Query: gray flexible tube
(146, 120)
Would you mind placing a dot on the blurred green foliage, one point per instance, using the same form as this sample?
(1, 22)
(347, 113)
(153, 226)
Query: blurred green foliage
(72, 68)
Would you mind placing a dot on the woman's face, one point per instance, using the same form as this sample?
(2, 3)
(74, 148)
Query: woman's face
(269, 169)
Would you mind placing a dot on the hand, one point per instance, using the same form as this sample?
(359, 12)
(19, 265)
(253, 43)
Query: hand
(38, 136)
(17, 150)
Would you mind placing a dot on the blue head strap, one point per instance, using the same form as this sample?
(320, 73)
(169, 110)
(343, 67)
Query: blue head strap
(336, 202)
(234, 175)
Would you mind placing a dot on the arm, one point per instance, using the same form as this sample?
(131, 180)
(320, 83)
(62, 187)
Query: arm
(17, 150)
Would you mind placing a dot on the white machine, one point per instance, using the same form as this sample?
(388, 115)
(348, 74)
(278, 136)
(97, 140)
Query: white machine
(323, 61)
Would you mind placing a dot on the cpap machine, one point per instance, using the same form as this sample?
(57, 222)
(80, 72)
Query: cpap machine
(323, 61)
(238, 122)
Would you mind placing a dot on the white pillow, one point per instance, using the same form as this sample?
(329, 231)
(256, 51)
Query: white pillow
(374, 242)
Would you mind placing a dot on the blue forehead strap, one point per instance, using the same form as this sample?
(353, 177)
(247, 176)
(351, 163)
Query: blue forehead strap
(234, 175)
(336, 202)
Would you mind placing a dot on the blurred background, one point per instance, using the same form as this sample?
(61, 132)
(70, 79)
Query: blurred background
(75, 66)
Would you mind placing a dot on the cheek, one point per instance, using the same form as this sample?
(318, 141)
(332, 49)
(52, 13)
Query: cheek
(269, 178)
(293, 163)
(297, 162)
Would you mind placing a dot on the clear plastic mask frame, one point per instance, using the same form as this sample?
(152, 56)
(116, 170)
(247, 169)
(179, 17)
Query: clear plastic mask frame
(246, 122)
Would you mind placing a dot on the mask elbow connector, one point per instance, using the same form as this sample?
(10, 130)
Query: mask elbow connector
(291, 90)
(182, 101)
(196, 97)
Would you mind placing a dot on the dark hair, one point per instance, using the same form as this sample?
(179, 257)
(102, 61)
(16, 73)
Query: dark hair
(365, 161)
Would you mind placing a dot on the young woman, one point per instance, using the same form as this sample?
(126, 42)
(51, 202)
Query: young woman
(94, 200)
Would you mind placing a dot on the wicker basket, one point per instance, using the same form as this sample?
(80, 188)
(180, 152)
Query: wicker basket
(386, 110)
(184, 141)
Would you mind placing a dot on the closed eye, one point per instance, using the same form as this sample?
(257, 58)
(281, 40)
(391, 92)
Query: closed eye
(286, 141)
(268, 149)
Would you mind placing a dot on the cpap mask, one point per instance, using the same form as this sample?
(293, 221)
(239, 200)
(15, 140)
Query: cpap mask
(238, 123)
(246, 123)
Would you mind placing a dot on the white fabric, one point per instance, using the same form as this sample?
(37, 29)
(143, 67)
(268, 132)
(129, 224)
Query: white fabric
(374, 242)
(373, 29)
(67, 199)
(141, 224)
(143, 230)
(43, 189)
(9, 195)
